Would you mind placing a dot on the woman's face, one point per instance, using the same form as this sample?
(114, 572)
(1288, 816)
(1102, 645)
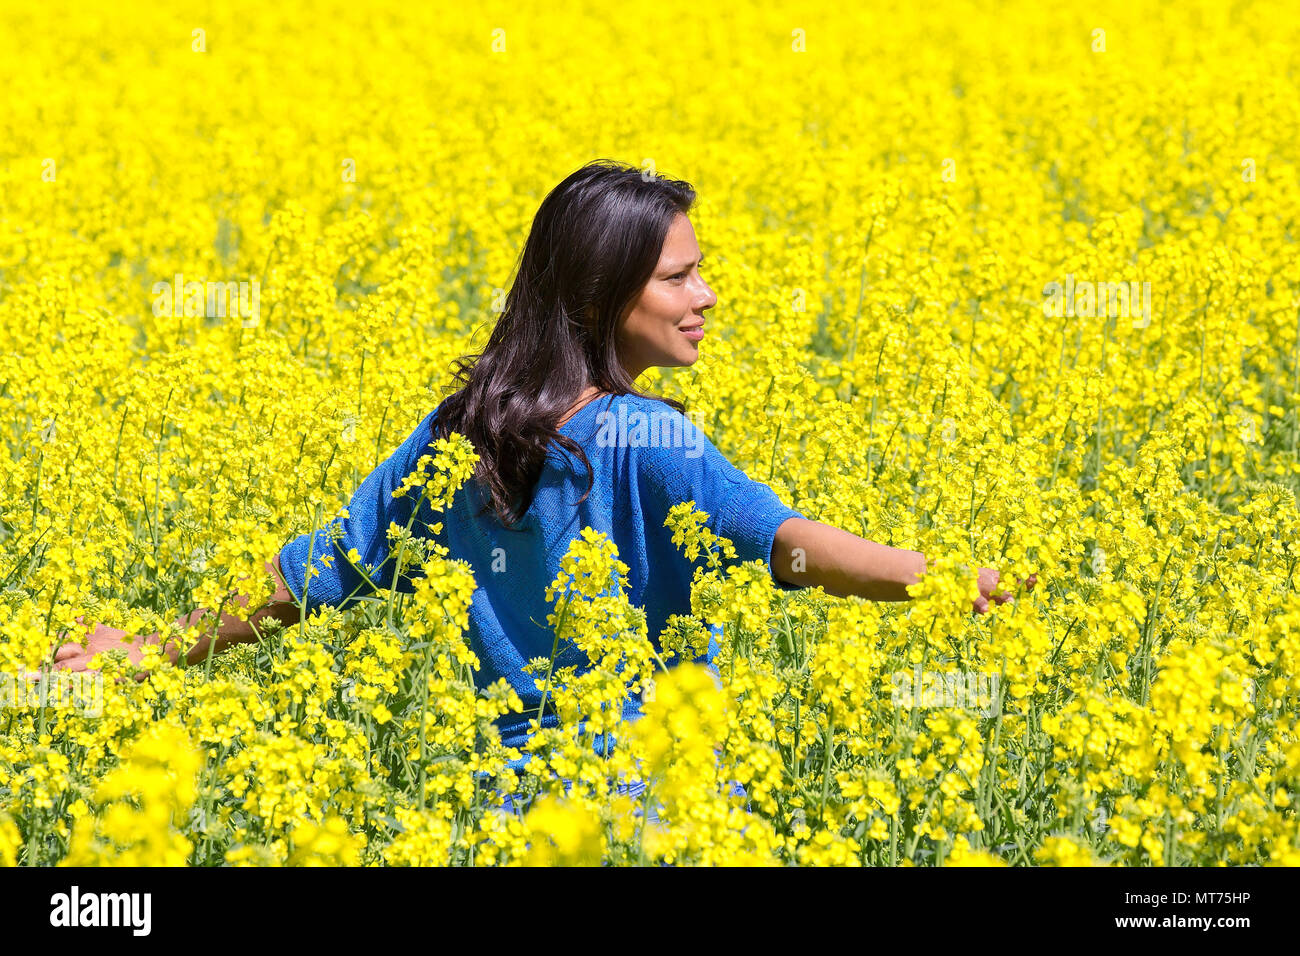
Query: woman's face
(673, 299)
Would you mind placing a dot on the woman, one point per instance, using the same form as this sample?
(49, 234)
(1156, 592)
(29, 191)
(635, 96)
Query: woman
(608, 285)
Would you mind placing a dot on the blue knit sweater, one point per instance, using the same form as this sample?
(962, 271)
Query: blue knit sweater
(645, 456)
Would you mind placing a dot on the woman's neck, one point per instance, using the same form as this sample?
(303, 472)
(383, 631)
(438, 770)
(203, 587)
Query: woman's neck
(592, 392)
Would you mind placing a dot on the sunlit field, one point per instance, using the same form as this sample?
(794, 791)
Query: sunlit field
(1015, 287)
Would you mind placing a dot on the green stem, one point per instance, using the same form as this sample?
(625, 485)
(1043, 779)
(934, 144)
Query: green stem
(555, 646)
(826, 769)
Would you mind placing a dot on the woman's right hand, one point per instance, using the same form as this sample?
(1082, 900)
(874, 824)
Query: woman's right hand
(988, 585)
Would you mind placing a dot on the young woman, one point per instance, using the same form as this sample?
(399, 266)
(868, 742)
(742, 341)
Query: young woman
(608, 285)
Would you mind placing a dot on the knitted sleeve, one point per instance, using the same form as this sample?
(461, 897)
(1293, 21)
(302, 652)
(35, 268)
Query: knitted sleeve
(362, 532)
(681, 464)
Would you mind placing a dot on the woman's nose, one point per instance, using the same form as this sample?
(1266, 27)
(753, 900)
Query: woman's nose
(708, 299)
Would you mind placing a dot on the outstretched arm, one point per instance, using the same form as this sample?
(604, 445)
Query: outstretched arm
(331, 581)
(228, 631)
(811, 554)
(799, 552)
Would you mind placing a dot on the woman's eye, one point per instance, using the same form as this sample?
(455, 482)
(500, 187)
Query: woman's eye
(683, 275)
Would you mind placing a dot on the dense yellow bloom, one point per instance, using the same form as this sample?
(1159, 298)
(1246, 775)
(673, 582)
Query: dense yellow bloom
(563, 835)
(894, 203)
(157, 773)
(329, 844)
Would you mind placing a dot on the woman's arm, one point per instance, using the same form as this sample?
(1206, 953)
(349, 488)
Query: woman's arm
(811, 554)
(799, 552)
(282, 606)
(229, 631)
(332, 580)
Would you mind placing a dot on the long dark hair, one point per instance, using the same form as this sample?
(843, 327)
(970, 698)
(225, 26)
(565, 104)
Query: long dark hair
(593, 245)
